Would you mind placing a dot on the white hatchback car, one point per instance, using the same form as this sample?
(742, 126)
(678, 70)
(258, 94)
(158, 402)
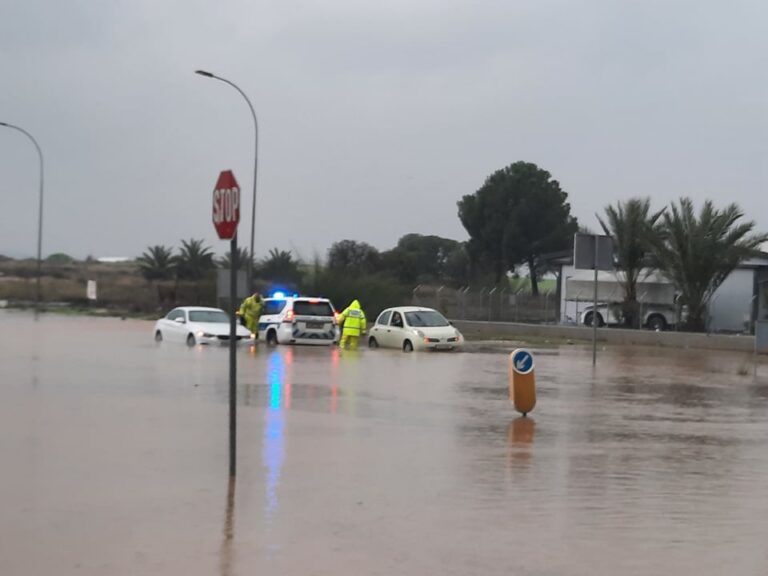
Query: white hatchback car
(298, 320)
(414, 328)
(197, 325)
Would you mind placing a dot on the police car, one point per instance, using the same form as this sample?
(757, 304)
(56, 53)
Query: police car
(298, 320)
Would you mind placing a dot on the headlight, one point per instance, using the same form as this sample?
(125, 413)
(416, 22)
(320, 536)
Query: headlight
(205, 335)
(253, 336)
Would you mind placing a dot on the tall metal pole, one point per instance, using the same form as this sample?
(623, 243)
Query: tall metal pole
(753, 312)
(249, 268)
(232, 358)
(594, 310)
(39, 215)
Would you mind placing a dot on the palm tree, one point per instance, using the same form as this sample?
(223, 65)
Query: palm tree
(698, 253)
(631, 224)
(279, 266)
(194, 260)
(156, 263)
(225, 261)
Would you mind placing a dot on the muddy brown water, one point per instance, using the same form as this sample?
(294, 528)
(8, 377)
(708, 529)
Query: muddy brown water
(114, 460)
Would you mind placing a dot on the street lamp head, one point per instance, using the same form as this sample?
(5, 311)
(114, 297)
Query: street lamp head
(204, 73)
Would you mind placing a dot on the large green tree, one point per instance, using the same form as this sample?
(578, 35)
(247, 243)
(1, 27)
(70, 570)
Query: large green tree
(157, 263)
(354, 257)
(632, 226)
(698, 252)
(419, 258)
(519, 214)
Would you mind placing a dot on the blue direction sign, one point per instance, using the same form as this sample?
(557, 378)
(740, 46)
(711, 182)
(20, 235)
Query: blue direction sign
(522, 361)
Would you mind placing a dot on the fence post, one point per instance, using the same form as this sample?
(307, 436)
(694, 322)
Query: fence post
(501, 302)
(437, 297)
(490, 302)
(414, 294)
(464, 302)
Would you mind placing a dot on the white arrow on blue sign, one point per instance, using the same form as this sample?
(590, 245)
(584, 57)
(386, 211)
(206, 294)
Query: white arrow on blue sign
(522, 361)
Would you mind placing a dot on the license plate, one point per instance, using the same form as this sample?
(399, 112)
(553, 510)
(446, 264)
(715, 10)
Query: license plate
(315, 325)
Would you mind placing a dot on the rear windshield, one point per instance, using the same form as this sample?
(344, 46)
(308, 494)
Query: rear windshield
(304, 308)
(273, 307)
(208, 316)
(425, 319)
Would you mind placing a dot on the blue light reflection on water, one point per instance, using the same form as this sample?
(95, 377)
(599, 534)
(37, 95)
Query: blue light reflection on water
(273, 451)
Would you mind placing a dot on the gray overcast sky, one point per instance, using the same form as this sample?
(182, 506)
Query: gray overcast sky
(375, 118)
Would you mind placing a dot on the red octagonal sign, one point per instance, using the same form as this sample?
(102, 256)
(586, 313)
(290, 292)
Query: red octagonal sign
(226, 205)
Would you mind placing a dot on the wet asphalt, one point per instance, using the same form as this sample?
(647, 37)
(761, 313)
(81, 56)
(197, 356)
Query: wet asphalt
(114, 459)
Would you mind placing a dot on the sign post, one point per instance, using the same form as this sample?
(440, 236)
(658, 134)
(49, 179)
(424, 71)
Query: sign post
(593, 252)
(226, 216)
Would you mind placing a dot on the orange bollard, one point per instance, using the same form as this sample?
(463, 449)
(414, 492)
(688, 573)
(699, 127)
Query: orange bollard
(522, 381)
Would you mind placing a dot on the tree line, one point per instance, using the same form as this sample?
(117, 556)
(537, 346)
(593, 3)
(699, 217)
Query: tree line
(518, 218)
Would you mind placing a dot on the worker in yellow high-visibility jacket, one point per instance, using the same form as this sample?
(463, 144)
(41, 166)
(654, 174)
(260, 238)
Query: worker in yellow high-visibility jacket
(354, 325)
(250, 311)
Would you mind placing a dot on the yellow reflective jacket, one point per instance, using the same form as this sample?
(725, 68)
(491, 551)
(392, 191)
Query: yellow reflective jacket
(354, 319)
(250, 309)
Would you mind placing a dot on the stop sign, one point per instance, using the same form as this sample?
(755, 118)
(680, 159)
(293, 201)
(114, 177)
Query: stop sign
(226, 205)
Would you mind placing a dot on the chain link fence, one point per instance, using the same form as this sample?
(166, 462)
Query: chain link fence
(489, 303)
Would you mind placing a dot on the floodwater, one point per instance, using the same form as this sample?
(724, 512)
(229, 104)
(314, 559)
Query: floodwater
(114, 460)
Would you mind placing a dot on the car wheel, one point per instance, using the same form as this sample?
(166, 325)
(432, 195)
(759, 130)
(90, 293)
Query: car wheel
(407, 346)
(191, 340)
(158, 336)
(272, 338)
(588, 319)
(657, 323)
(372, 343)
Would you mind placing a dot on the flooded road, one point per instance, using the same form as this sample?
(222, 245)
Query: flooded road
(114, 460)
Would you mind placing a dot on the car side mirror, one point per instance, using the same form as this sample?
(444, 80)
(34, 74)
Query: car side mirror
(179, 320)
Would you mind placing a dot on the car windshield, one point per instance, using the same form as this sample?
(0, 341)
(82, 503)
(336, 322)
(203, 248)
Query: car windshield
(208, 316)
(425, 319)
(307, 308)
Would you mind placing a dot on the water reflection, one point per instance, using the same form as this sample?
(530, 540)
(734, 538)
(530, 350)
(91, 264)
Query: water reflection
(227, 558)
(335, 355)
(273, 451)
(520, 434)
(349, 364)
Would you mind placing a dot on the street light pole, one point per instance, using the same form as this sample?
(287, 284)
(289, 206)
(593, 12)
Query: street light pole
(39, 214)
(249, 269)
